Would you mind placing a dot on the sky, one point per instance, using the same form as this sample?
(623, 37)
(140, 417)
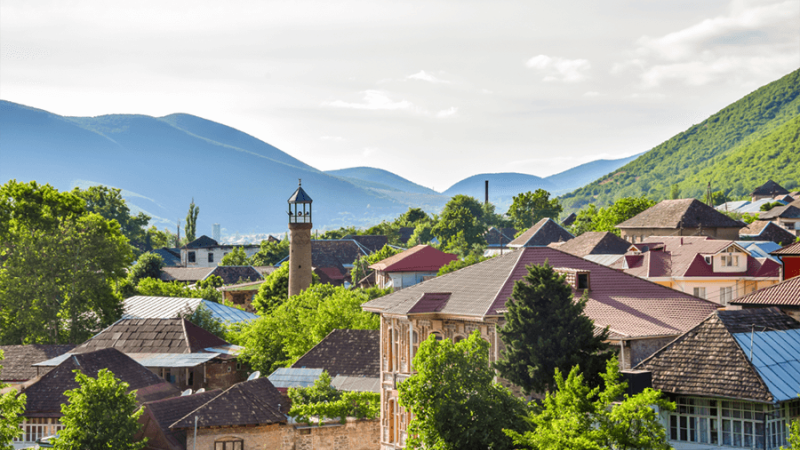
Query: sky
(434, 91)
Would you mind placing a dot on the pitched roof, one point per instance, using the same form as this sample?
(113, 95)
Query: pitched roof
(686, 213)
(542, 233)
(596, 243)
(766, 231)
(46, 395)
(499, 237)
(791, 249)
(300, 196)
(189, 274)
(152, 336)
(254, 402)
(234, 274)
(201, 242)
(345, 352)
(165, 412)
(569, 220)
(372, 243)
(770, 188)
(785, 293)
(421, 258)
(707, 360)
(630, 306)
(784, 212)
(19, 359)
(146, 307)
(170, 256)
(265, 270)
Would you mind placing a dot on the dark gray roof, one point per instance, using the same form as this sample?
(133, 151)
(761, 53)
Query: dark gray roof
(596, 243)
(569, 220)
(708, 361)
(300, 196)
(201, 242)
(19, 359)
(685, 213)
(255, 402)
(165, 412)
(235, 274)
(170, 256)
(543, 233)
(770, 188)
(345, 352)
(764, 230)
(499, 237)
(784, 212)
(152, 336)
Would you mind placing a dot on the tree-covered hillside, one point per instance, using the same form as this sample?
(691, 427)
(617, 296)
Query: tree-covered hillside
(736, 149)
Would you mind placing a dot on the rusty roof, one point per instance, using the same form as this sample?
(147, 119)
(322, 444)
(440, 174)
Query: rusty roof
(685, 213)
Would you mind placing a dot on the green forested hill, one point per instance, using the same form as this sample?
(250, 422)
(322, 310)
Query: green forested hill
(736, 149)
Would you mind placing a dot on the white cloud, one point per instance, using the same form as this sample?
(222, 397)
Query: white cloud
(451, 111)
(591, 94)
(424, 76)
(560, 69)
(369, 151)
(373, 100)
(331, 138)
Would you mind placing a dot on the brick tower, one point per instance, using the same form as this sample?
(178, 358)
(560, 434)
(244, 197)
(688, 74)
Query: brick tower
(300, 241)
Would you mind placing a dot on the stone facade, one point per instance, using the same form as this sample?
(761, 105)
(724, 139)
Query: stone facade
(299, 257)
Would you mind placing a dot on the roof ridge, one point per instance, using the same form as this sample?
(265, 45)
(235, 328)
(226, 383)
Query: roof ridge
(503, 284)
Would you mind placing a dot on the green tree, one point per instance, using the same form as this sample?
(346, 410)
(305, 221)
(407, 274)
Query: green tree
(236, 257)
(100, 414)
(793, 436)
(158, 288)
(459, 219)
(545, 329)
(454, 401)
(576, 415)
(204, 318)
(361, 265)
(275, 289)
(108, 202)
(530, 207)
(324, 401)
(148, 265)
(156, 238)
(191, 221)
(675, 192)
(11, 408)
(584, 220)
(423, 234)
(623, 209)
(270, 253)
(280, 337)
(412, 217)
(59, 266)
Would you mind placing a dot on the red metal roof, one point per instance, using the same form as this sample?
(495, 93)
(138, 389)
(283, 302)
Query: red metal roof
(785, 293)
(422, 258)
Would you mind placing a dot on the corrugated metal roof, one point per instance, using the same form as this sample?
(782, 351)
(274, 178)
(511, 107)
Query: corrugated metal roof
(606, 260)
(358, 384)
(146, 307)
(151, 359)
(228, 314)
(776, 359)
(288, 377)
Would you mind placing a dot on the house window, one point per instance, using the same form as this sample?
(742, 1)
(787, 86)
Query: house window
(191, 257)
(458, 339)
(707, 421)
(191, 378)
(725, 295)
(730, 260)
(700, 292)
(211, 257)
(437, 335)
(229, 445)
(583, 281)
(414, 345)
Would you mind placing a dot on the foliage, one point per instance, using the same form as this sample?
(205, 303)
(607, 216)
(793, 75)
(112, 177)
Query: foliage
(768, 206)
(361, 265)
(607, 219)
(278, 338)
(461, 263)
(412, 217)
(578, 416)
(423, 234)
(191, 221)
(236, 257)
(274, 291)
(545, 329)
(158, 288)
(325, 402)
(793, 436)
(148, 265)
(338, 233)
(736, 150)
(59, 265)
(675, 192)
(749, 218)
(459, 219)
(156, 238)
(11, 408)
(100, 414)
(530, 207)
(108, 202)
(454, 400)
(204, 318)
(270, 253)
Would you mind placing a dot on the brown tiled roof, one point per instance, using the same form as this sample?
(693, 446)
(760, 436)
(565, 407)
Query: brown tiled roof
(190, 274)
(631, 306)
(335, 253)
(707, 361)
(152, 336)
(784, 212)
(345, 352)
(165, 412)
(372, 243)
(596, 243)
(19, 359)
(542, 233)
(46, 395)
(770, 188)
(686, 213)
(791, 249)
(255, 402)
(421, 258)
(785, 293)
(764, 230)
(265, 270)
(234, 274)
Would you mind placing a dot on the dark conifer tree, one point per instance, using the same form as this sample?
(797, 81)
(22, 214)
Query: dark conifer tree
(545, 328)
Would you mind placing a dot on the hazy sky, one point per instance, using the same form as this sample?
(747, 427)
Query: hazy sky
(434, 91)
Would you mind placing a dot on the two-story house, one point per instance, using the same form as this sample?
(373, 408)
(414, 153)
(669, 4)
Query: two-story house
(410, 267)
(683, 217)
(206, 252)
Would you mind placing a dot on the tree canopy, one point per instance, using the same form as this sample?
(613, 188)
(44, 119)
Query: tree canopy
(529, 208)
(11, 408)
(545, 329)
(236, 257)
(361, 265)
(100, 413)
(454, 401)
(59, 265)
(270, 253)
(108, 202)
(323, 401)
(191, 222)
(606, 219)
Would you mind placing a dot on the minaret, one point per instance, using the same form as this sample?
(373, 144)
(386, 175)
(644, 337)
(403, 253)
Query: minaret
(300, 241)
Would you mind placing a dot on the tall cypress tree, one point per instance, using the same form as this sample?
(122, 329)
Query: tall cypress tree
(545, 328)
(191, 221)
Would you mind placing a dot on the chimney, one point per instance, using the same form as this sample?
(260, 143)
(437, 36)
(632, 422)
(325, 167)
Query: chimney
(487, 192)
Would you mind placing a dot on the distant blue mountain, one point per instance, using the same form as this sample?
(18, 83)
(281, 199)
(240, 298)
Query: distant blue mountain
(162, 163)
(579, 176)
(382, 179)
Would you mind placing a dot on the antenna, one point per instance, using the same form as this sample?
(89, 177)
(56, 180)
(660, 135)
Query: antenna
(186, 392)
(254, 375)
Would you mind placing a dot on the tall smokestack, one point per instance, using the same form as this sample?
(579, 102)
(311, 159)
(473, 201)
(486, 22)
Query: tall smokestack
(487, 192)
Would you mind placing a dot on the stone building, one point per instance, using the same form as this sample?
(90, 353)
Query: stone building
(641, 316)
(206, 252)
(683, 217)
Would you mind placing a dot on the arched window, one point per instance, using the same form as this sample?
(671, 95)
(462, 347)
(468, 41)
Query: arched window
(458, 339)
(229, 443)
(438, 335)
